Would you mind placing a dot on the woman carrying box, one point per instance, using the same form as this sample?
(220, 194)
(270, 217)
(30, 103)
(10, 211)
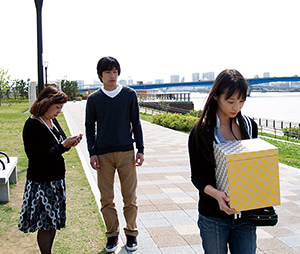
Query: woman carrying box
(221, 120)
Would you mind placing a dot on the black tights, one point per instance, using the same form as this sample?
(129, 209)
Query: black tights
(45, 240)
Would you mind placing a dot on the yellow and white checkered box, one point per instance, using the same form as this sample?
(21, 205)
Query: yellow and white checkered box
(248, 172)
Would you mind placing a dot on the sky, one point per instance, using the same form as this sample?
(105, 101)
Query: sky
(151, 39)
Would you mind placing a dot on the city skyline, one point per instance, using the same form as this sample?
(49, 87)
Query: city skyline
(152, 39)
(173, 79)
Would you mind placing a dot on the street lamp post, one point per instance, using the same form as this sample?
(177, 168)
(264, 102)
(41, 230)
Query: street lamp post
(38, 5)
(46, 68)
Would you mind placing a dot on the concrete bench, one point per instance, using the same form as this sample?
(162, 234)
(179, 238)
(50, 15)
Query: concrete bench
(8, 174)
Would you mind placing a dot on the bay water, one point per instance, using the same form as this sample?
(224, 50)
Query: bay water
(283, 106)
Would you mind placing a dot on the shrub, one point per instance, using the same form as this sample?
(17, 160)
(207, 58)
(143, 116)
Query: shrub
(175, 121)
(293, 132)
(196, 113)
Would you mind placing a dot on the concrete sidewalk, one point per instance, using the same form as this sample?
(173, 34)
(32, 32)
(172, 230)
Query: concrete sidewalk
(167, 200)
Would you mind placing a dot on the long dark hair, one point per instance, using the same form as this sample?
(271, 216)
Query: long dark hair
(228, 82)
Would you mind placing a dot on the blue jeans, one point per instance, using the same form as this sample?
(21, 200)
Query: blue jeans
(216, 233)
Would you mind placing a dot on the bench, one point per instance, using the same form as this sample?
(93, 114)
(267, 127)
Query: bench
(8, 174)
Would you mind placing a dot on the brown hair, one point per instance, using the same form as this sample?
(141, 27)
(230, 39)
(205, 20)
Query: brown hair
(47, 97)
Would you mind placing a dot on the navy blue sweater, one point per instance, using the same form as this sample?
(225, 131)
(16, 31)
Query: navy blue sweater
(113, 124)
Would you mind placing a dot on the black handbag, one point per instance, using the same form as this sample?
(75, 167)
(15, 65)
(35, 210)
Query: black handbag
(264, 217)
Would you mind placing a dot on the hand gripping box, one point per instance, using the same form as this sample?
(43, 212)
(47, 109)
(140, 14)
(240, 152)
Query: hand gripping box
(248, 172)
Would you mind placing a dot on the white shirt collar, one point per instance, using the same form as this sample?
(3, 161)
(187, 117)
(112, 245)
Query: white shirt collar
(112, 93)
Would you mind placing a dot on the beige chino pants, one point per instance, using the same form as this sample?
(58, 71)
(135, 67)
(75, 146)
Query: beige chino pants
(123, 162)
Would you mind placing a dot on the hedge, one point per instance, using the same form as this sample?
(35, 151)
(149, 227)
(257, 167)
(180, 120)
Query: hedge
(176, 121)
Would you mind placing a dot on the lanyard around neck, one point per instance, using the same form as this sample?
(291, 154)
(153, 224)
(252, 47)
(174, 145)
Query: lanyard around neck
(50, 129)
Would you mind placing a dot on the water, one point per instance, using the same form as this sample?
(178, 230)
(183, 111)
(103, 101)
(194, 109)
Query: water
(271, 105)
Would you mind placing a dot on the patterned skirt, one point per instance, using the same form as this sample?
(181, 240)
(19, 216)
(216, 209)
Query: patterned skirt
(44, 206)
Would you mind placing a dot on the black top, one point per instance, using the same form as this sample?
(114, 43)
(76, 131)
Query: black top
(45, 161)
(117, 122)
(203, 173)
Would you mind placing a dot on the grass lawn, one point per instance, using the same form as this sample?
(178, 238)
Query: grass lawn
(288, 153)
(84, 232)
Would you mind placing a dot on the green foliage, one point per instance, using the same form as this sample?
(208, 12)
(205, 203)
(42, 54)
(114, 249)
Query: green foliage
(196, 113)
(4, 83)
(146, 117)
(175, 121)
(288, 152)
(19, 88)
(70, 88)
(293, 132)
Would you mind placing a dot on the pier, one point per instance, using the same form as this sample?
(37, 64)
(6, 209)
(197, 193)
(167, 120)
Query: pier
(174, 102)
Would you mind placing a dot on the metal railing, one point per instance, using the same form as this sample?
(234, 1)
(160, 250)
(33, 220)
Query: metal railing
(277, 127)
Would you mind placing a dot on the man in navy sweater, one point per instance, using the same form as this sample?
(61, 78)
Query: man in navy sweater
(112, 126)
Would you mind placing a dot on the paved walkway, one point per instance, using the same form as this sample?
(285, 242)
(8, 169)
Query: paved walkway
(167, 200)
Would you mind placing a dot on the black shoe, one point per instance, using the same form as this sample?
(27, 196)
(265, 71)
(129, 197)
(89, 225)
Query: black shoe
(131, 244)
(112, 243)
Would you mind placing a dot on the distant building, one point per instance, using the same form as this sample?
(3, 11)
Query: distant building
(174, 78)
(159, 81)
(266, 74)
(196, 76)
(130, 81)
(295, 84)
(208, 76)
(80, 83)
(97, 82)
(123, 82)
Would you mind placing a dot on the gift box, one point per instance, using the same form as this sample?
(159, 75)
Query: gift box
(248, 172)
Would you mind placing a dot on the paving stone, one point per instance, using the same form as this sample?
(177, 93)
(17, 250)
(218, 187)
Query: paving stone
(168, 201)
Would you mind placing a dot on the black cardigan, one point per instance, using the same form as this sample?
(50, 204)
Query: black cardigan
(203, 174)
(45, 160)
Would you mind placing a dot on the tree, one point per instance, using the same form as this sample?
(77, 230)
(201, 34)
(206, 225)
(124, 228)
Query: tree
(20, 88)
(70, 88)
(4, 83)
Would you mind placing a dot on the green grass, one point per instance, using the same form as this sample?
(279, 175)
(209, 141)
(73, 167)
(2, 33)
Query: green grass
(6, 218)
(284, 138)
(146, 117)
(288, 153)
(84, 232)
